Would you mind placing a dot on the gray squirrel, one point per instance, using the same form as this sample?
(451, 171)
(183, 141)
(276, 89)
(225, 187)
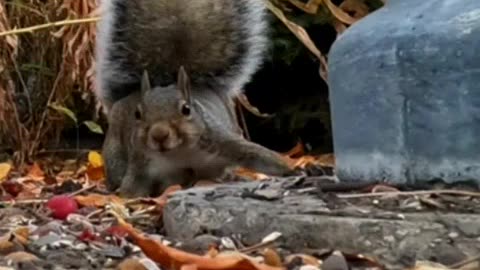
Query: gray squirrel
(167, 71)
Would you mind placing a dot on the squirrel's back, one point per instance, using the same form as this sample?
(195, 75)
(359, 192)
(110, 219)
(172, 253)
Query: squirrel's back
(220, 43)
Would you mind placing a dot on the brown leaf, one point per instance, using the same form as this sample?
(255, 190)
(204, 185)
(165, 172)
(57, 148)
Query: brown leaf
(327, 160)
(22, 234)
(272, 258)
(172, 258)
(356, 7)
(131, 264)
(296, 151)
(250, 174)
(306, 259)
(21, 256)
(6, 246)
(310, 7)
(95, 173)
(161, 200)
(95, 167)
(339, 13)
(98, 200)
(36, 173)
(243, 100)
(303, 36)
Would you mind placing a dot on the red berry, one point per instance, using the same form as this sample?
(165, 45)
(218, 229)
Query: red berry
(61, 206)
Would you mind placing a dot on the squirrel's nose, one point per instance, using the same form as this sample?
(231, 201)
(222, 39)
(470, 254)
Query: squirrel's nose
(159, 134)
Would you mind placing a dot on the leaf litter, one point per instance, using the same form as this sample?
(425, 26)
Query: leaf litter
(101, 230)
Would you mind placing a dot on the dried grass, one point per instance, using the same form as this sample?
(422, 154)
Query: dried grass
(54, 65)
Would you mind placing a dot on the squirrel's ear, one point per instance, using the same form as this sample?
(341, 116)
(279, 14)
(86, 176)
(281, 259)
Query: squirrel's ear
(183, 83)
(145, 82)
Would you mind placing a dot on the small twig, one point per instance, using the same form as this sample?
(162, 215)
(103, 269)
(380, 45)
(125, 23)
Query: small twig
(256, 247)
(26, 202)
(75, 193)
(146, 210)
(243, 122)
(465, 262)
(132, 218)
(96, 212)
(47, 25)
(410, 193)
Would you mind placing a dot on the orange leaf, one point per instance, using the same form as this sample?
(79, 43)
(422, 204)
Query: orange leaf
(36, 173)
(327, 160)
(95, 173)
(296, 151)
(172, 258)
(272, 258)
(97, 200)
(251, 174)
(95, 167)
(162, 199)
(189, 267)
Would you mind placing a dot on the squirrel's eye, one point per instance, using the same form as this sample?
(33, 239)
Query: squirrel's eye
(138, 113)
(186, 111)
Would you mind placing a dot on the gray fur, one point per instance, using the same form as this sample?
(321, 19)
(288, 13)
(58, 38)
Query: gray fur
(221, 43)
(212, 143)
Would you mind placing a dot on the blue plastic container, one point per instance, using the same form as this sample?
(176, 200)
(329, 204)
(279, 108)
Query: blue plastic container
(405, 93)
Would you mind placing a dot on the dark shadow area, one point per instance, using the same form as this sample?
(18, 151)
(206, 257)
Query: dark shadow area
(295, 93)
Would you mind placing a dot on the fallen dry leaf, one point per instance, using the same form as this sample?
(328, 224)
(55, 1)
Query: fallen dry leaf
(212, 251)
(36, 173)
(189, 267)
(306, 259)
(327, 160)
(22, 234)
(172, 258)
(356, 7)
(250, 174)
(6, 246)
(161, 200)
(339, 13)
(95, 159)
(95, 173)
(21, 256)
(97, 200)
(272, 258)
(4, 170)
(303, 36)
(131, 264)
(297, 151)
(95, 167)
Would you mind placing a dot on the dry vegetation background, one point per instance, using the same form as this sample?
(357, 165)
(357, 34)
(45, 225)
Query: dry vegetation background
(47, 63)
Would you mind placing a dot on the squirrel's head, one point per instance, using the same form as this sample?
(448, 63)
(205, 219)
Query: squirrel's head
(167, 115)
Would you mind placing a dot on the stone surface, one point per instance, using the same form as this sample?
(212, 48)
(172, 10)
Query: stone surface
(404, 93)
(309, 219)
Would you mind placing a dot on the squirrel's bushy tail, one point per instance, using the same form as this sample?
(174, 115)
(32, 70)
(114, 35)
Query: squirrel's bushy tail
(221, 43)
